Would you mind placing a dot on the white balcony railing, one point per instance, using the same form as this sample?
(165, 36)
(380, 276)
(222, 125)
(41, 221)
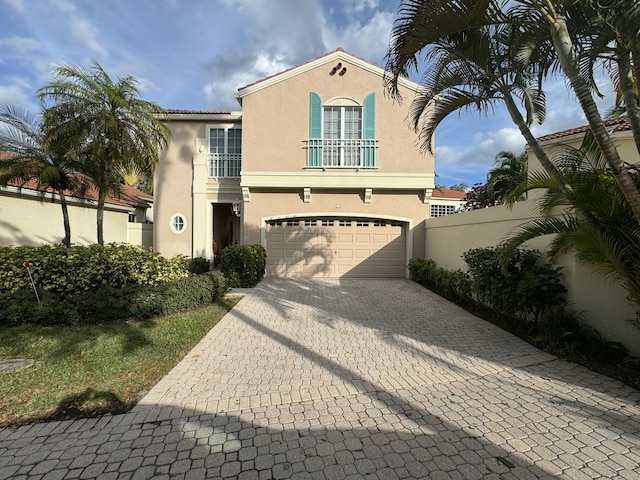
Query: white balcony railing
(225, 165)
(339, 153)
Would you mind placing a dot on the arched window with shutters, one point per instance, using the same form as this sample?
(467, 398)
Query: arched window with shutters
(341, 132)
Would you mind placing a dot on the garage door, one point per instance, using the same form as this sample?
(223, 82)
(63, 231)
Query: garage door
(335, 247)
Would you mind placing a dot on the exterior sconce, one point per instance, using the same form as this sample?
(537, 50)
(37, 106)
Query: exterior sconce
(235, 208)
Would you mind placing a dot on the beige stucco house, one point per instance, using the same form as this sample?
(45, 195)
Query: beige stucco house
(319, 167)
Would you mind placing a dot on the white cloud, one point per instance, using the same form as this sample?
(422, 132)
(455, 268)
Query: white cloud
(15, 95)
(369, 40)
(17, 5)
(21, 45)
(486, 146)
(85, 33)
(64, 5)
(359, 6)
(220, 93)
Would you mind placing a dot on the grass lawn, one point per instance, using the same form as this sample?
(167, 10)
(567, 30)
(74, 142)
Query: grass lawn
(92, 369)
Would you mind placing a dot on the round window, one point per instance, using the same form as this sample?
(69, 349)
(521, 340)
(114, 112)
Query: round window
(178, 223)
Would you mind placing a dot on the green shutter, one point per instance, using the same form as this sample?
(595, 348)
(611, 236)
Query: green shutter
(315, 130)
(369, 129)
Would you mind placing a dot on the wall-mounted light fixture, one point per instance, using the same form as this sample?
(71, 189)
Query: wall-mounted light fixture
(235, 208)
(343, 71)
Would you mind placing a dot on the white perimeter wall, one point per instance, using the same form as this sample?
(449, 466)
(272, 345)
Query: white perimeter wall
(30, 221)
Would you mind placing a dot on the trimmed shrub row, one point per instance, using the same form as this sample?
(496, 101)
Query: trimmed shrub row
(87, 269)
(523, 286)
(107, 303)
(523, 295)
(452, 285)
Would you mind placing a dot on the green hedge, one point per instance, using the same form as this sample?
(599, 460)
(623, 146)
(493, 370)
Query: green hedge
(524, 296)
(87, 269)
(522, 286)
(452, 285)
(243, 265)
(107, 303)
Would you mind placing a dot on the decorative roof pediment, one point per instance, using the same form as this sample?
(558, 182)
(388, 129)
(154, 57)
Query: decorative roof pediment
(338, 55)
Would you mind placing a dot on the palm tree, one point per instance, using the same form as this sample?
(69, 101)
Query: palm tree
(470, 69)
(581, 39)
(612, 248)
(31, 154)
(509, 171)
(622, 17)
(423, 24)
(106, 125)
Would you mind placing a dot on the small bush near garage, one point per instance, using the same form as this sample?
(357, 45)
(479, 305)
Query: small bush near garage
(243, 265)
(199, 265)
(108, 304)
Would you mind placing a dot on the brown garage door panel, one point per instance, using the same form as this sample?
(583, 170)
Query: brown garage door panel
(352, 251)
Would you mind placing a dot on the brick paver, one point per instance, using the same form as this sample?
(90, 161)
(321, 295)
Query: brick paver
(333, 379)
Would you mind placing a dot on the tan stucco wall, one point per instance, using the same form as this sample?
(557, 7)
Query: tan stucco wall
(140, 234)
(172, 188)
(386, 204)
(604, 304)
(276, 121)
(26, 220)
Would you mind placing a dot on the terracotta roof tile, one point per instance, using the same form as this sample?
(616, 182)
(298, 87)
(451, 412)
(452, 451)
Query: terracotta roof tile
(129, 195)
(195, 112)
(448, 193)
(617, 124)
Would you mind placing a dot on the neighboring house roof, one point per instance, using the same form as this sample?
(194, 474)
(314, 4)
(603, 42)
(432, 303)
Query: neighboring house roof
(336, 55)
(129, 196)
(194, 112)
(617, 124)
(197, 115)
(448, 193)
(135, 197)
(91, 193)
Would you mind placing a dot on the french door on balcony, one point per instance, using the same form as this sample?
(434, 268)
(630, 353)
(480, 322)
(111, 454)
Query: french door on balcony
(225, 152)
(342, 135)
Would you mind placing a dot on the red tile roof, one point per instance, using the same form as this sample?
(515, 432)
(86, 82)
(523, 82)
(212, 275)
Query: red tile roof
(90, 194)
(448, 193)
(129, 196)
(617, 124)
(195, 112)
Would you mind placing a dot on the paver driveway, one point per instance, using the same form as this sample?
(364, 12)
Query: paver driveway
(351, 379)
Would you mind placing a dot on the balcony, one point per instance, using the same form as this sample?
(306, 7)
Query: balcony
(225, 165)
(341, 153)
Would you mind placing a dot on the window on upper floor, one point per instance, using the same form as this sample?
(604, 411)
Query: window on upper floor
(225, 152)
(341, 133)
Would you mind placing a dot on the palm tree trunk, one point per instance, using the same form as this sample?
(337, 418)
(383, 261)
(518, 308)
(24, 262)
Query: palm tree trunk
(569, 64)
(65, 221)
(540, 154)
(627, 84)
(100, 217)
